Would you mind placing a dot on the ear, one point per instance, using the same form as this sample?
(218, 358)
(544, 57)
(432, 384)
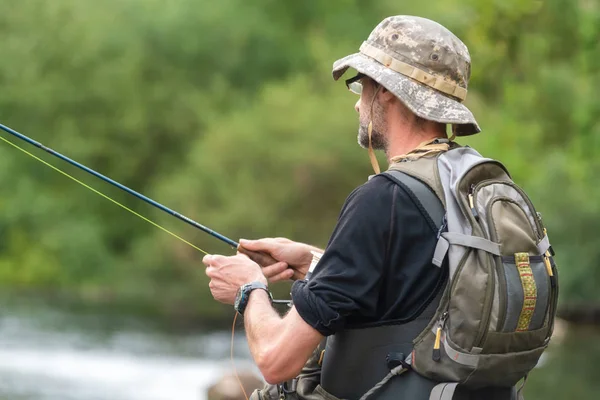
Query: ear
(385, 96)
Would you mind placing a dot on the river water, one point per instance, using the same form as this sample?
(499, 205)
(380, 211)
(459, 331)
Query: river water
(48, 354)
(53, 355)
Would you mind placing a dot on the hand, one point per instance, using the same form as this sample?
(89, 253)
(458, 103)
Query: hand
(294, 257)
(227, 274)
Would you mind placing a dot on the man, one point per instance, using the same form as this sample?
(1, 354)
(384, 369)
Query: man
(376, 270)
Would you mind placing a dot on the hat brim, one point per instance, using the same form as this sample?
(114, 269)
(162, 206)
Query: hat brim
(422, 100)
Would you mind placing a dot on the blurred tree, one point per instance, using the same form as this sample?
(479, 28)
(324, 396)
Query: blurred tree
(227, 112)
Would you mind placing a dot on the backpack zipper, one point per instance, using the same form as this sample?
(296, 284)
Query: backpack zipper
(536, 218)
(497, 262)
(470, 196)
(551, 267)
(489, 295)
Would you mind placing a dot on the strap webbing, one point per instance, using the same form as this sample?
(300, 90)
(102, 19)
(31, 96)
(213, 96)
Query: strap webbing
(462, 358)
(529, 291)
(437, 82)
(429, 201)
(443, 391)
(472, 241)
(460, 239)
(441, 249)
(543, 246)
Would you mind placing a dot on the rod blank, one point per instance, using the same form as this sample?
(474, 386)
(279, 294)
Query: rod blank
(122, 187)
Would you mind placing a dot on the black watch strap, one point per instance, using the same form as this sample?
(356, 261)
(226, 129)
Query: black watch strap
(243, 295)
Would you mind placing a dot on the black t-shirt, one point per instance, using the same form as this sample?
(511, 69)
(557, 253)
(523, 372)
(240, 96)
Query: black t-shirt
(376, 269)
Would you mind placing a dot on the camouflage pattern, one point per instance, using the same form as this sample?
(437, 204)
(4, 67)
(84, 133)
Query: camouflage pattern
(430, 47)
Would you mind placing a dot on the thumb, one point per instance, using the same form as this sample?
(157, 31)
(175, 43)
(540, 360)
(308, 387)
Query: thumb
(264, 245)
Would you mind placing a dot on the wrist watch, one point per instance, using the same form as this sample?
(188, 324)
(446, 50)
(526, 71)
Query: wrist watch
(243, 294)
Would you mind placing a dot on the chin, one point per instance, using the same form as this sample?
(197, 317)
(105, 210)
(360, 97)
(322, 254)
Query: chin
(376, 141)
(363, 142)
(363, 137)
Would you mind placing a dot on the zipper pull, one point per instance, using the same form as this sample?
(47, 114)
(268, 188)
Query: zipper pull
(472, 203)
(549, 269)
(546, 257)
(436, 356)
(548, 265)
(443, 226)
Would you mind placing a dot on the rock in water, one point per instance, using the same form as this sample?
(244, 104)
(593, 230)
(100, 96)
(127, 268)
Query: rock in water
(228, 387)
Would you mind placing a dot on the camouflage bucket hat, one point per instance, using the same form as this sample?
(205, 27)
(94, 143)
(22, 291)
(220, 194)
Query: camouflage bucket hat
(424, 64)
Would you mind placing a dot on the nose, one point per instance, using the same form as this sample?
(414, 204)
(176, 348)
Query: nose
(357, 106)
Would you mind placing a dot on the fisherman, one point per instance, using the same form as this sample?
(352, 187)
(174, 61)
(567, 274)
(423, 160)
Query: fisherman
(376, 271)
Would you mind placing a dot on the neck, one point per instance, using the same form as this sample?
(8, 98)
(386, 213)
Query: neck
(403, 137)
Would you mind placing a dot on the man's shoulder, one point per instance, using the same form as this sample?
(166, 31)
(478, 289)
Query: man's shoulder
(377, 191)
(374, 187)
(377, 185)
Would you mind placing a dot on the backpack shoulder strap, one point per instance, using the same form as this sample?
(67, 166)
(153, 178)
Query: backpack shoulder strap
(422, 193)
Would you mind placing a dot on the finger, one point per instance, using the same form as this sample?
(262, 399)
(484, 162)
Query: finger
(217, 260)
(265, 245)
(283, 276)
(274, 269)
(207, 259)
(262, 259)
(297, 276)
(210, 272)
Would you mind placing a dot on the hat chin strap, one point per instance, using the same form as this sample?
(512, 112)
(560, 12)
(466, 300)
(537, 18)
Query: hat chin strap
(374, 162)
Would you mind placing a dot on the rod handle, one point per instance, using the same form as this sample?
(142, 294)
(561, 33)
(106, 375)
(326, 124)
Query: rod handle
(262, 259)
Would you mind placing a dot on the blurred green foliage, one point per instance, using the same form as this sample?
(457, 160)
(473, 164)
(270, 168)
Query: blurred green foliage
(568, 370)
(226, 112)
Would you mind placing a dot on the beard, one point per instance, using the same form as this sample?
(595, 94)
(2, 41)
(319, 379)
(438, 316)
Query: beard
(378, 140)
(377, 115)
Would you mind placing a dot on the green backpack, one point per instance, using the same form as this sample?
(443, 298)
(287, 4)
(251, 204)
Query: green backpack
(496, 315)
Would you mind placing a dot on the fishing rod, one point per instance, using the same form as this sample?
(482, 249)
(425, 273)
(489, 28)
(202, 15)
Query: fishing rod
(122, 187)
(263, 259)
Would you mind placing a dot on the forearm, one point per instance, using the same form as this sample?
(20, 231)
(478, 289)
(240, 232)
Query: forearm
(262, 324)
(278, 345)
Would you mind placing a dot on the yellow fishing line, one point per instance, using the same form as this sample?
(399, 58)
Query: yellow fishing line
(103, 195)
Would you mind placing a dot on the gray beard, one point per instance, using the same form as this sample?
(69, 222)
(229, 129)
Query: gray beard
(378, 141)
